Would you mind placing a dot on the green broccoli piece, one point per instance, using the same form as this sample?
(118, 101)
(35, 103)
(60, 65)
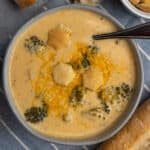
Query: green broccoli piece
(36, 114)
(34, 44)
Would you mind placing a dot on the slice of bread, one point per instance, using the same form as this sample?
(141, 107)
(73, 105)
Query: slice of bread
(25, 3)
(135, 135)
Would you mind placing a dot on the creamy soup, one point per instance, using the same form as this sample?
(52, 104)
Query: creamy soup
(66, 85)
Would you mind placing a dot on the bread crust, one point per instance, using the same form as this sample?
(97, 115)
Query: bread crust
(135, 135)
(25, 3)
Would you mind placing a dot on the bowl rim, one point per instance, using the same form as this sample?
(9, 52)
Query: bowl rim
(120, 122)
(135, 10)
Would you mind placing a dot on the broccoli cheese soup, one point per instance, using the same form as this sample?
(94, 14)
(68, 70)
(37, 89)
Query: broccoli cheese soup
(66, 85)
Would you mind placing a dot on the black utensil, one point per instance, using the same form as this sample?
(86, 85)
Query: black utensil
(141, 31)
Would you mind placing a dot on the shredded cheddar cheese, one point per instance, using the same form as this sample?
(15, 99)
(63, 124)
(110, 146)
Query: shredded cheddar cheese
(57, 96)
(100, 61)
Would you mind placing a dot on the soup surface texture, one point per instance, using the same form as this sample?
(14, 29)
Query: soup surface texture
(66, 85)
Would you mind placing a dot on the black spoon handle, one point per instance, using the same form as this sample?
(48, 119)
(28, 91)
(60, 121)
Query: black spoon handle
(141, 31)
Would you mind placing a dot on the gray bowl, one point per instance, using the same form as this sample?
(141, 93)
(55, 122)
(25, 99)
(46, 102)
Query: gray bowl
(117, 125)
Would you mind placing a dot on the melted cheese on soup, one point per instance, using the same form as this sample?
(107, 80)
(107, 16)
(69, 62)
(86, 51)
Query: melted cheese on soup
(66, 85)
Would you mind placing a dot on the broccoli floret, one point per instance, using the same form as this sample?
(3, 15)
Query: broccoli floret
(36, 114)
(123, 91)
(77, 95)
(85, 62)
(93, 49)
(34, 44)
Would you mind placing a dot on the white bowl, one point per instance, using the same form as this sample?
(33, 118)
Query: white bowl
(135, 10)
